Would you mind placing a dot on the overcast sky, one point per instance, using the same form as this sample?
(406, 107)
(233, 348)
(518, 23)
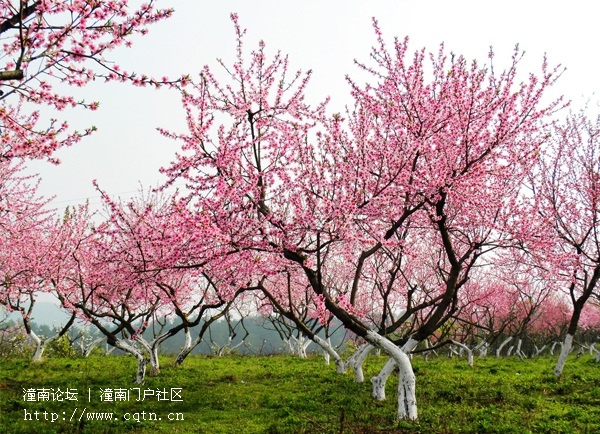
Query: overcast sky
(325, 36)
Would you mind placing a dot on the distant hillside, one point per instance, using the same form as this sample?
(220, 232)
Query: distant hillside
(262, 338)
(44, 313)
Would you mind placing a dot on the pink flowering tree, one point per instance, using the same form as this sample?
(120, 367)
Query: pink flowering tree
(92, 282)
(508, 302)
(130, 275)
(433, 154)
(49, 43)
(25, 233)
(567, 198)
(108, 276)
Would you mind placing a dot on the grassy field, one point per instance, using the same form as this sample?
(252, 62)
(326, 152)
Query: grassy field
(281, 394)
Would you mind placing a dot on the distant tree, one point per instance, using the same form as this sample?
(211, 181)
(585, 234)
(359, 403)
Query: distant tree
(567, 199)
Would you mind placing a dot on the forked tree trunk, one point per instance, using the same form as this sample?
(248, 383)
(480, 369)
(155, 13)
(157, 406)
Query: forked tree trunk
(518, 351)
(87, 350)
(41, 344)
(39, 347)
(468, 350)
(353, 356)
(538, 351)
(504, 342)
(300, 344)
(358, 361)
(141, 367)
(380, 380)
(407, 399)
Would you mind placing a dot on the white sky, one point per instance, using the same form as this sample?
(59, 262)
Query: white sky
(324, 36)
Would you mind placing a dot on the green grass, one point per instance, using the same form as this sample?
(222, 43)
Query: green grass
(281, 394)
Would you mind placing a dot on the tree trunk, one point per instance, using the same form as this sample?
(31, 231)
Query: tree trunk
(141, 368)
(154, 363)
(331, 352)
(504, 342)
(358, 361)
(380, 380)
(302, 344)
(290, 346)
(182, 355)
(538, 351)
(468, 350)
(40, 346)
(518, 351)
(87, 350)
(564, 352)
(407, 399)
(39, 351)
(187, 348)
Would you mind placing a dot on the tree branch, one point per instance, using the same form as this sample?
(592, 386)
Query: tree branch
(19, 17)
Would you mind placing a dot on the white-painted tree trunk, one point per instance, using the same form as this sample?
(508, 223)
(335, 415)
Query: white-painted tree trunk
(291, 347)
(554, 344)
(452, 351)
(185, 351)
(468, 350)
(564, 352)
(355, 354)
(518, 351)
(298, 345)
(302, 342)
(504, 342)
(139, 355)
(407, 399)
(154, 363)
(358, 361)
(187, 348)
(538, 351)
(483, 347)
(329, 351)
(188, 338)
(226, 348)
(378, 382)
(40, 345)
(87, 350)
